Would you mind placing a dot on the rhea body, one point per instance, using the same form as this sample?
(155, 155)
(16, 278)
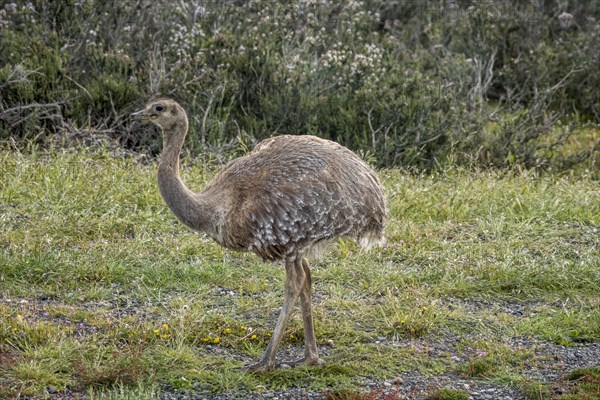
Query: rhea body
(285, 201)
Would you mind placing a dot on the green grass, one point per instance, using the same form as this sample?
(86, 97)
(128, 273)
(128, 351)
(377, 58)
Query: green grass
(583, 382)
(104, 293)
(580, 383)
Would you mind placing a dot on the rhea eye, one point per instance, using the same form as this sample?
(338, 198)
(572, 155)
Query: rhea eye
(159, 108)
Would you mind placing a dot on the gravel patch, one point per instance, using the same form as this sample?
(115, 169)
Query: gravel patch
(549, 361)
(556, 361)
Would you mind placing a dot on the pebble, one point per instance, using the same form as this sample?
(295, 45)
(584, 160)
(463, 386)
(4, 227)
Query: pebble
(51, 389)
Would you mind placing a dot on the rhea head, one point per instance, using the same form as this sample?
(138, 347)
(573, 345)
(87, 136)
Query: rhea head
(166, 114)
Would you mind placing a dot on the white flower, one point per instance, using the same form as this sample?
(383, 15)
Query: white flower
(200, 12)
(565, 20)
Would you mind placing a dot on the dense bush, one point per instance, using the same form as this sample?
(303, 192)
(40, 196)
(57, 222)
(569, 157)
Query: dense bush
(404, 83)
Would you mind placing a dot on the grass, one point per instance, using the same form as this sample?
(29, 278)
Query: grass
(580, 383)
(105, 293)
(584, 382)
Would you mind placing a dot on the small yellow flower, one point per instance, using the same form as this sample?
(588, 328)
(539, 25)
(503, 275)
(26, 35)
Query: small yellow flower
(424, 308)
(217, 340)
(253, 337)
(156, 332)
(205, 339)
(165, 336)
(402, 321)
(165, 326)
(227, 331)
(292, 336)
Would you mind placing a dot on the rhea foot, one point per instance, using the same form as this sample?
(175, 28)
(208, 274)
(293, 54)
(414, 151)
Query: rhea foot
(258, 368)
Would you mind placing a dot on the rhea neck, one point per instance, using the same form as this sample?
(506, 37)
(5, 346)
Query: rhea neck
(189, 207)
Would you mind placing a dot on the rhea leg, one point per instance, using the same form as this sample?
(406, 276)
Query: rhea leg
(294, 282)
(311, 354)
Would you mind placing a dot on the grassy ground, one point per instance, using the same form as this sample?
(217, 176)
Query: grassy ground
(103, 291)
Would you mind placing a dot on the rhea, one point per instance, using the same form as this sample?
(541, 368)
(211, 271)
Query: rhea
(285, 201)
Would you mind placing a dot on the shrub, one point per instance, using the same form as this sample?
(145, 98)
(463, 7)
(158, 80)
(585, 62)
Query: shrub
(403, 83)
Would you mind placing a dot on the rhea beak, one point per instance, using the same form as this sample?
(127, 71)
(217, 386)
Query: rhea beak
(139, 115)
